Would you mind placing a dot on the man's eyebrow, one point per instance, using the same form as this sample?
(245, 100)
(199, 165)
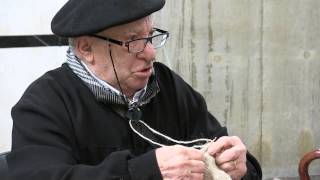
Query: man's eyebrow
(136, 31)
(131, 33)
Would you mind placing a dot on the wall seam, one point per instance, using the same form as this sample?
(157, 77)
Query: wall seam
(261, 78)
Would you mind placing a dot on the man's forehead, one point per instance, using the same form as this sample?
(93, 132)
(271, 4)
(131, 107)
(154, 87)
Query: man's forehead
(141, 25)
(144, 24)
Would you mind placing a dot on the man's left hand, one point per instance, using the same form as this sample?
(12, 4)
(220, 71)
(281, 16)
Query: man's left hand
(230, 156)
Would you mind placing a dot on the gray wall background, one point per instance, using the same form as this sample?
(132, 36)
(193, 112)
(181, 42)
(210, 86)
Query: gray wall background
(257, 63)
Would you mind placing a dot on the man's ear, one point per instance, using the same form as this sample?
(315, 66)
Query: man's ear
(83, 46)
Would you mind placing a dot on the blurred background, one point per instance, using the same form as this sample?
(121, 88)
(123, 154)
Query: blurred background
(256, 62)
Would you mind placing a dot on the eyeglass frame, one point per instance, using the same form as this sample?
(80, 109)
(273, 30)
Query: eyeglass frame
(126, 43)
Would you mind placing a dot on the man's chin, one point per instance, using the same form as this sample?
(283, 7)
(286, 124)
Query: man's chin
(142, 83)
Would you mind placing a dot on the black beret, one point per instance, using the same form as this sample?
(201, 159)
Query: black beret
(83, 17)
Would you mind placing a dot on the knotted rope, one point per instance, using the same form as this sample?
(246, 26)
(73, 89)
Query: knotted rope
(212, 170)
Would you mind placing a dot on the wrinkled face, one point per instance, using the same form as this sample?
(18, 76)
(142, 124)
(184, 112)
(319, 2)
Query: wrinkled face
(133, 69)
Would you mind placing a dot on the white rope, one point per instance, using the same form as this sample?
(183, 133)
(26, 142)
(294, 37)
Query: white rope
(167, 137)
(145, 138)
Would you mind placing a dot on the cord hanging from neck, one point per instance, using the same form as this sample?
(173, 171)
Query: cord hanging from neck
(133, 113)
(118, 82)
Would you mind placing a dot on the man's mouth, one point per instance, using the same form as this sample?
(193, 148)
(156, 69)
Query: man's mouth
(146, 72)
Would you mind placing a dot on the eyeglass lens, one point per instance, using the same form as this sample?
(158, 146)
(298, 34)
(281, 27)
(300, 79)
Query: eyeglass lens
(139, 45)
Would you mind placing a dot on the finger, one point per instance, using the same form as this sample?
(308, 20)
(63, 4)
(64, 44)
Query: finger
(235, 174)
(231, 154)
(183, 174)
(235, 150)
(197, 176)
(222, 143)
(181, 163)
(218, 146)
(240, 169)
(228, 166)
(197, 166)
(190, 153)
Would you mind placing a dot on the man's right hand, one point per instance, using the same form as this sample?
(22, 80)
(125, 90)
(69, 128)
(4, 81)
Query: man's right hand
(180, 162)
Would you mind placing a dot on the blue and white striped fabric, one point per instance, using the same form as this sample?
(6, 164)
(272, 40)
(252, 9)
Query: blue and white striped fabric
(101, 92)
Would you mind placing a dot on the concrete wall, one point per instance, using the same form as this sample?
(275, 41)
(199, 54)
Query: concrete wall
(256, 62)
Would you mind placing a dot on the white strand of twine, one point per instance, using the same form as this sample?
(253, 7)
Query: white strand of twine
(167, 137)
(212, 171)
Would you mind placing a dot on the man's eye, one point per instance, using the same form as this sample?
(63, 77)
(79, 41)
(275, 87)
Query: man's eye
(133, 37)
(152, 33)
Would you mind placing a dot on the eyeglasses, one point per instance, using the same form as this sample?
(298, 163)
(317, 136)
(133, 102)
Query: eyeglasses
(138, 45)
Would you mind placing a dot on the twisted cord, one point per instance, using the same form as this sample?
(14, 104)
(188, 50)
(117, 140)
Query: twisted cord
(205, 140)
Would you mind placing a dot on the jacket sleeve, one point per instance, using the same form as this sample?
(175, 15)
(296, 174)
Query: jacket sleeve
(44, 145)
(254, 171)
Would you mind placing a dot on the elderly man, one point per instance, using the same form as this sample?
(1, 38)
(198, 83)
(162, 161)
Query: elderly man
(112, 112)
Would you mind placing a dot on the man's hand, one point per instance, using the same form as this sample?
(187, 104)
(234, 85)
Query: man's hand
(230, 156)
(179, 162)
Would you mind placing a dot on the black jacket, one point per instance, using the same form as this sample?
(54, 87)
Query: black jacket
(61, 132)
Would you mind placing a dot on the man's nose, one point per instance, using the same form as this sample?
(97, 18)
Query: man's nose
(149, 52)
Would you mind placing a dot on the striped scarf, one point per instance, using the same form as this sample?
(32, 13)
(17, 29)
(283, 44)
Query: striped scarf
(104, 94)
